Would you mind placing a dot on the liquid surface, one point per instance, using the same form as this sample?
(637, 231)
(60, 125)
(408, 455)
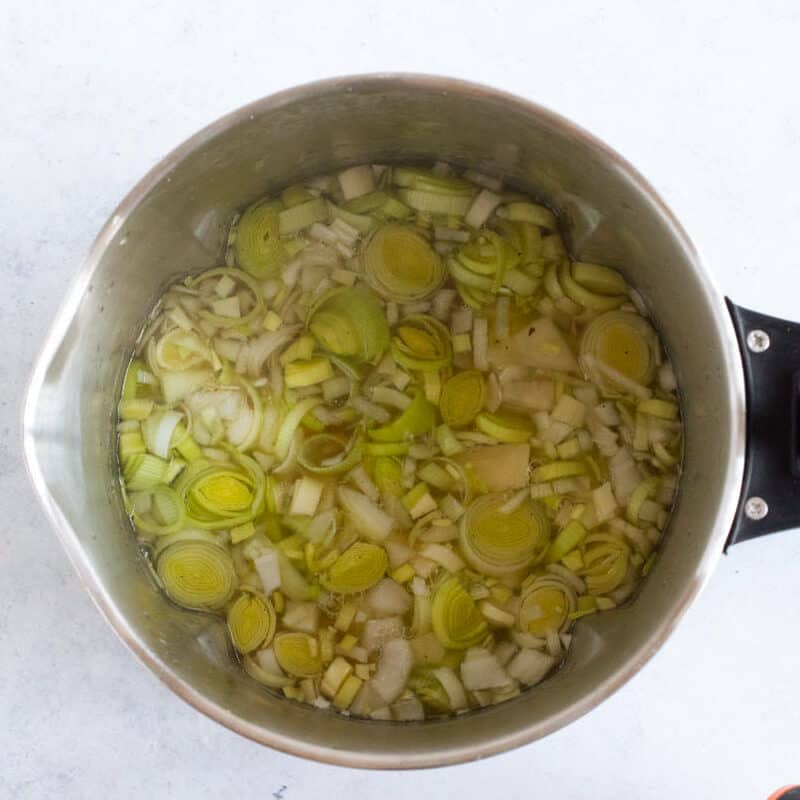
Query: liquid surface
(400, 441)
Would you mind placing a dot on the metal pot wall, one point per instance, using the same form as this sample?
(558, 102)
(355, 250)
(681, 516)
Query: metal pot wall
(175, 220)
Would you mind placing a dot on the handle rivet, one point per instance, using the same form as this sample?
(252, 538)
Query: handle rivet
(758, 342)
(756, 508)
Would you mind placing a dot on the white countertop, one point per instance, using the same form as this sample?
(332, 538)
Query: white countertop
(704, 102)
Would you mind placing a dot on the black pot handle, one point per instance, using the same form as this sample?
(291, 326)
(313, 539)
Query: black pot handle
(770, 499)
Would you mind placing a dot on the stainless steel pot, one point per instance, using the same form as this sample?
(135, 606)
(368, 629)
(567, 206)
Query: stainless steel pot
(174, 221)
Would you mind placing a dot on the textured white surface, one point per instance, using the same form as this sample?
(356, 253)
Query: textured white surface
(700, 96)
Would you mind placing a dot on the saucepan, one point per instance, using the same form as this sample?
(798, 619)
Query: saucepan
(736, 370)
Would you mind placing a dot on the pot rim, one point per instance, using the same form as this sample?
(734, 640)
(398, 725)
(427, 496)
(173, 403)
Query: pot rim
(104, 601)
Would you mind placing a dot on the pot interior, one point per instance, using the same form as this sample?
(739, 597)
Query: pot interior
(175, 222)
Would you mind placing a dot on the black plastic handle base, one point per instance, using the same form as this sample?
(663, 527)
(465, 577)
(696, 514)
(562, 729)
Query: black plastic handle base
(770, 499)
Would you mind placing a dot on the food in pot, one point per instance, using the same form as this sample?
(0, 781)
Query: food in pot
(401, 441)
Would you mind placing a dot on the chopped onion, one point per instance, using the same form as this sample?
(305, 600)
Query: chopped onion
(530, 666)
(370, 520)
(394, 667)
(480, 669)
(379, 631)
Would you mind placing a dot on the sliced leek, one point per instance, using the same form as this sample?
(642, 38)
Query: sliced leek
(350, 322)
(400, 264)
(499, 542)
(623, 341)
(421, 342)
(359, 568)
(546, 606)
(457, 622)
(418, 418)
(462, 398)
(197, 574)
(298, 654)
(329, 454)
(251, 621)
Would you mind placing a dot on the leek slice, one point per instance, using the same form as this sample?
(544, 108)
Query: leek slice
(178, 350)
(583, 296)
(538, 344)
(143, 471)
(462, 398)
(422, 343)
(499, 467)
(606, 559)
(400, 264)
(220, 496)
(251, 622)
(418, 418)
(599, 279)
(425, 180)
(546, 606)
(532, 212)
(388, 475)
(368, 519)
(357, 181)
(256, 312)
(505, 427)
(166, 514)
(623, 341)
(457, 622)
(557, 470)
(659, 408)
(350, 322)
(293, 220)
(298, 654)
(571, 535)
(359, 568)
(257, 247)
(369, 501)
(497, 543)
(263, 667)
(329, 454)
(197, 574)
(435, 202)
(290, 423)
(307, 372)
(133, 386)
(646, 489)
